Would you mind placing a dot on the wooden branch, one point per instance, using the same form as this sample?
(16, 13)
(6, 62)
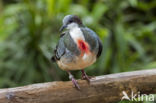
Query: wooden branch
(102, 89)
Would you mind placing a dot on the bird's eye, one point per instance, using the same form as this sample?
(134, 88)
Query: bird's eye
(70, 21)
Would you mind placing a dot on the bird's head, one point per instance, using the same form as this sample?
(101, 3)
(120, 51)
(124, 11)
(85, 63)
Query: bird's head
(70, 21)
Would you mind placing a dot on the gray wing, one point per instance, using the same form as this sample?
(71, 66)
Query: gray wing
(100, 48)
(70, 44)
(66, 43)
(94, 41)
(60, 49)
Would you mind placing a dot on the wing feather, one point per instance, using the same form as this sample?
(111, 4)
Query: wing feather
(91, 37)
(59, 50)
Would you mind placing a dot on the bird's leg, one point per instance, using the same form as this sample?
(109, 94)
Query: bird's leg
(85, 76)
(71, 77)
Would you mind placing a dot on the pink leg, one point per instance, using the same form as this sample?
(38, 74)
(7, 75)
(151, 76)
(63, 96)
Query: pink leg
(73, 80)
(84, 76)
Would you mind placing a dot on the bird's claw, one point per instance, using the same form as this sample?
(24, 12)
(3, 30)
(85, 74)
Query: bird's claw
(73, 80)
(85, 77)
(75, 83)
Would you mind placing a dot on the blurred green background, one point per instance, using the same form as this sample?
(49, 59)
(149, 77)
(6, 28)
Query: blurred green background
(29, 32)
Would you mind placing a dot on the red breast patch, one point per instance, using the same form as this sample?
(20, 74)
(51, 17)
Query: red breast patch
(83, 46)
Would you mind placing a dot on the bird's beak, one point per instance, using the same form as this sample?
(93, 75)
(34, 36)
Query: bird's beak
(63, 27)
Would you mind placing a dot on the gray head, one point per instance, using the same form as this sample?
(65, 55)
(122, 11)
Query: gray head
(69, 21)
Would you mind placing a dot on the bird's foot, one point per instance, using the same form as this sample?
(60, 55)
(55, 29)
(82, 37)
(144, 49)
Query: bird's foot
(85, 76)
(74, 81)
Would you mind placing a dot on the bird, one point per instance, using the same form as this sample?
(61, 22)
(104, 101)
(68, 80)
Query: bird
(77, 48)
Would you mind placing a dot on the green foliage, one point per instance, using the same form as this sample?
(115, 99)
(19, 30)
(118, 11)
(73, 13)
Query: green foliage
(29, 33)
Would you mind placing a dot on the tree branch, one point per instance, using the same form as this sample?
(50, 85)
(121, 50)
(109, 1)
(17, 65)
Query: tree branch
(102, 89)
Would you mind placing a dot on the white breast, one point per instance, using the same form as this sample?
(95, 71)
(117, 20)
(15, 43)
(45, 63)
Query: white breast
(76, 33)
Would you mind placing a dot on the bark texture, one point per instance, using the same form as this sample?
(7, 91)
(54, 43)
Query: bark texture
(102, 89)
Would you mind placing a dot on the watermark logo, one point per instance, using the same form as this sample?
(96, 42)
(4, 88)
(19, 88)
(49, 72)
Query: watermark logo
(137, 96)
